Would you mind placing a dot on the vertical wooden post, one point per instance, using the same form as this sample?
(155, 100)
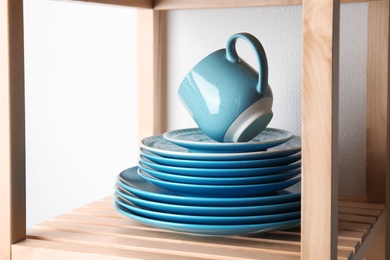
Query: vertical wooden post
(320, 128)
(151, 72)
(377, 172)
(12, 128)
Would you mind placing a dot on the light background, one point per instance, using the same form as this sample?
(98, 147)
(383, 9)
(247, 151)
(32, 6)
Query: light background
(81, 96)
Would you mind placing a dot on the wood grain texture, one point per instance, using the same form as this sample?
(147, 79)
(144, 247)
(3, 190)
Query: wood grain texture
(129, 3)
(204, 4)
(197, 4)
(320, 128)
(377, 117)
(98, 231)
(151, 73)
(12, 128)
(377, 100)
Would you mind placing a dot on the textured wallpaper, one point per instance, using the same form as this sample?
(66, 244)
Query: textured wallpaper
(193, 34)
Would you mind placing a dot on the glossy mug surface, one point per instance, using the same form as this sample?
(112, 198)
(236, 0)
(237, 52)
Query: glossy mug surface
(228, 99)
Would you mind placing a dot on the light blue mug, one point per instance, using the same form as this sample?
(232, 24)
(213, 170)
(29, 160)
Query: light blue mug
(228, 99)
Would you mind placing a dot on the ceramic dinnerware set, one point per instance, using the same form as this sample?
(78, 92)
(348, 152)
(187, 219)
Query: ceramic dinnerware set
(187, 182)
(230, 175)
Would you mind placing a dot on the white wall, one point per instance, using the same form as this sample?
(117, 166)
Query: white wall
(193, 34)
(80, 103)
(81, 90)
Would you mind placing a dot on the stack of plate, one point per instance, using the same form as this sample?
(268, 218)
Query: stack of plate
(187, 182)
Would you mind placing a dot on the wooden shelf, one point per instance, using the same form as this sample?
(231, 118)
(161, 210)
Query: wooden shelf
(98, 231)
(330, 229)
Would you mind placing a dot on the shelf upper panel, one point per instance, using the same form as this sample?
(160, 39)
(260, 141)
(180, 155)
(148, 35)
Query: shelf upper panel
(131, 3)
(203, 4)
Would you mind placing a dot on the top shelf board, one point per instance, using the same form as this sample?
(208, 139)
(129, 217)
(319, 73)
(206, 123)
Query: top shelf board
(204, 4)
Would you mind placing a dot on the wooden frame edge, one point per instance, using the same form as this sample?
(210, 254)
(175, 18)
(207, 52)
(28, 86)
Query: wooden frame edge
(321, 22)
(205, 4)
(151, 73)
(129, 3)
(12, 127)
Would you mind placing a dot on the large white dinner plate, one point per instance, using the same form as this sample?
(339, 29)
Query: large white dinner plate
(215, 210)
(210, 230)
(225, 164)
(196, 140)
(213, 172)
(238, 180)
(159, 145)
(193, 219)
(131, 181)
(220, 190)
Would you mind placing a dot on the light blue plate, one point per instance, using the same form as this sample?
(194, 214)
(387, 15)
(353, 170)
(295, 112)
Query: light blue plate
(213, 172)
(159, 145)
(220, 190)
(209, 220)
(219, 180)
(215, 210)
(211, 230)
(195, 140)
(231, 164)
(131, 181)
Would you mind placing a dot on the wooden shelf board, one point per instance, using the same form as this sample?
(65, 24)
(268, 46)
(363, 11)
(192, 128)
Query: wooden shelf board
(98, 231)
(204, 4)
(129, 3)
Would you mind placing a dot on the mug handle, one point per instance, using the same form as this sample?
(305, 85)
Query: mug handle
(232, 56)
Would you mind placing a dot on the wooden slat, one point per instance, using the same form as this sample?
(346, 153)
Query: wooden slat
(197, 4)
(361, 212)
(357, 219)
(352, 235)
(12, 129)
(362, 205)
(320, 128)
(151, 73)
(43, 249)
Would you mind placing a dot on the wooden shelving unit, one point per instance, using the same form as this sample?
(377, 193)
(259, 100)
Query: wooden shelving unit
(330, 228)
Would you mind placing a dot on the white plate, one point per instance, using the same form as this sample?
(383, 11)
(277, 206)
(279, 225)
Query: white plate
(195, 140)
(159, 145)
